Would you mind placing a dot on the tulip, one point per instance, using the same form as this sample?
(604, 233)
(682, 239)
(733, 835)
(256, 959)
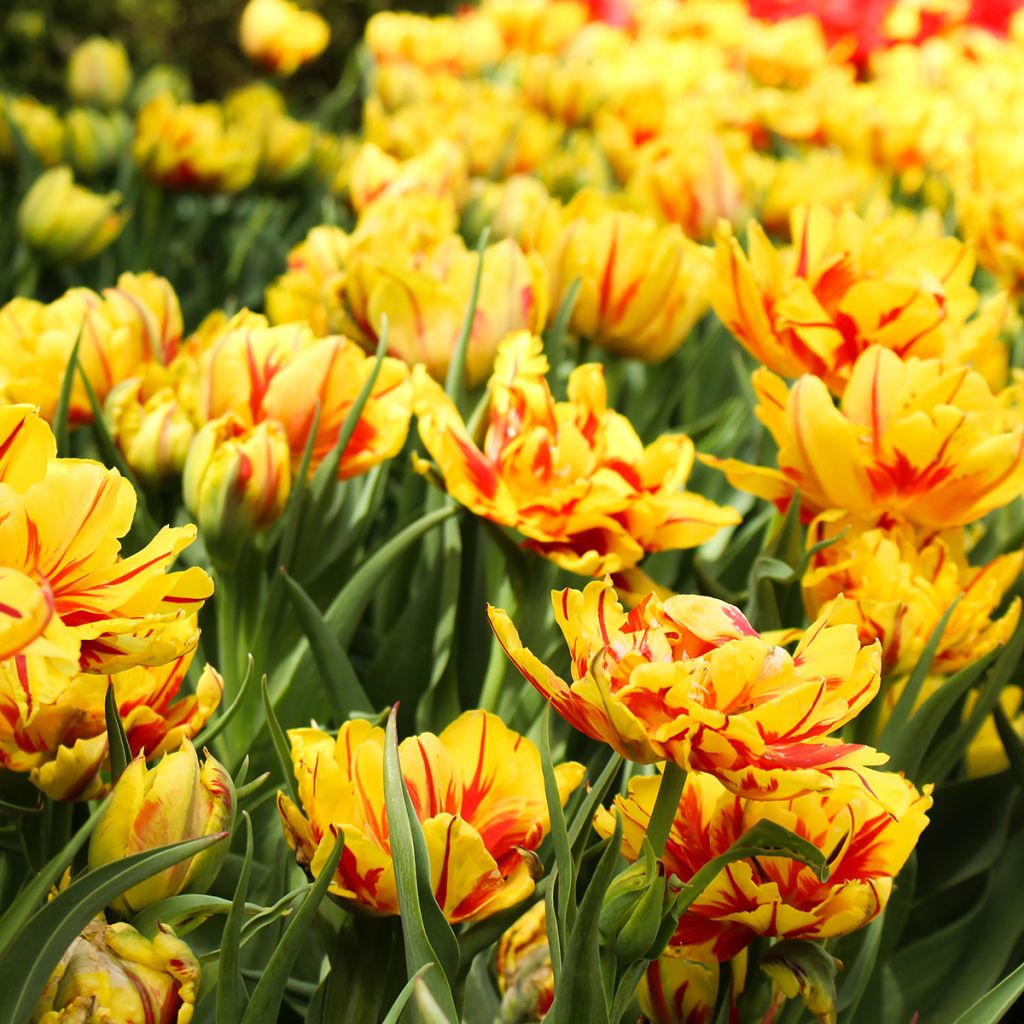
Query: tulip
(641, 284)
(898, 583)
(675, 990)
(690, 680)
(467, 44)
(99, 73)
(308, 291)
(866, 847)
(111, 974)
(236, 481)
(177, 800)
(281, 36)
(477, 789)
(439, 170)
(915, 438)
(66, 223)
(39, 126)
(537, 26)
(162, 78)
(573, 477)
(526, 981)
(94, 140)
(148, 306)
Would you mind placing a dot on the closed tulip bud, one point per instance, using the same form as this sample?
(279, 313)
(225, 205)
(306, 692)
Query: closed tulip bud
(154, 434)
(236, 480)
(39, 126)
(177, 800)
(644, 922)
(111, 974)
(622, 896)
(281, 36)
(99, 73)
(93, 140)
(65, 222)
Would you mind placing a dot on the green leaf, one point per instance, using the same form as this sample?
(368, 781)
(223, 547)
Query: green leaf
(231, 994)
(344, 612)
(62, 414)
(395, 1013)
(455, 383)
(430, 1009)
(554, 336)
(564, 876)
(212, 731)
(182, 913)
(117, 741)
(279, 742)
(1012, 743)
(265, 1001)
(415, 894)
(579, 828)
(348, 695)
(27, 963)
(994, 1005)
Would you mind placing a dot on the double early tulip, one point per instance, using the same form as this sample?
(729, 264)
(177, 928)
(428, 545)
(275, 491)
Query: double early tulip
(112, 973)
(917, 438)
(178, 799)
(573, 477)
(477, 789)
(679, 990)
(689, 680)
(281, 36)
(866, 847)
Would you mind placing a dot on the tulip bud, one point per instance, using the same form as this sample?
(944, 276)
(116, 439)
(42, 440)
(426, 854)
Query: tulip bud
(99, 73)
(111, 974)
(625, 893)
(176, 800)
(644, 922)
(236, 480)
(65, 222)
(93, 140)
(525, 977)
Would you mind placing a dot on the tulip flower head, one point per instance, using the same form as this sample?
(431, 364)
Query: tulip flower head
(689, 680)
(525, 977)
(773, 896)
(477, 789)
(677, 990)
(99, 73)
(175, 800)
(281, 36)
(40, 126)
(572, 477)
(917, 438)
(113, 973)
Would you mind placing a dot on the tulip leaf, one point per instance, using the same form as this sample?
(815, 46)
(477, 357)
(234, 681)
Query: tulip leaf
(455, 382)
(344, 611)
(348, 695)
(584, 815)
(416, 900)
(117, 741)
(858, 973)
(430, 1010)
(581, 991)
(395, 1013)
(554, 336)
(212, 731)
(279, 742)
(1012, 743)
(182, 913)
(265, 1001)
(27, 963)
(993, 1006)
(62, 413)
(564, 877)
(231, 994)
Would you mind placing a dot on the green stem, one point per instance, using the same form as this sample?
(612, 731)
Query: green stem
(497, 663)
(665, 806)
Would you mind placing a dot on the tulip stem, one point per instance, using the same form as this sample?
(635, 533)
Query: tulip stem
(665, 806)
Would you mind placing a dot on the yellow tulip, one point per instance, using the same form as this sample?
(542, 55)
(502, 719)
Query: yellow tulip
(898, 583)
(477, 789)
(866, 847)
(148, 306)
(537, 26)
(99, 73)
(916, 438)
(467, 44)
(690, 680)
(642, 285)
(236, 481)
(94, 140)
(525, 978)
(573, 477)
(285, 145)
(111, 974)
(675, 990)
(281, 36)
(188, 146)
(66, 223)
(310, 288)
(39, 126)
(179, 799)
(439, 170)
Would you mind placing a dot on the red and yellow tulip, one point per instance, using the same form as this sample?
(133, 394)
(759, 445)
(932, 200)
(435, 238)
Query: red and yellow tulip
(773, 896)
(281, 36)
(477, 789)
(573, 477)
(677, 990)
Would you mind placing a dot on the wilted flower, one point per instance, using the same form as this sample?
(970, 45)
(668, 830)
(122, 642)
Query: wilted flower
(99, 73)
(477, 789)
(844, 286)
(178, 799)
(898, 583)
(236, 481)
(65, 222)
(281, 36)
(642, 284)
(677, 990)
(111, 974)
(916, 438)
(573, 477)
(774, 896)
(189, 146)
(690, 680)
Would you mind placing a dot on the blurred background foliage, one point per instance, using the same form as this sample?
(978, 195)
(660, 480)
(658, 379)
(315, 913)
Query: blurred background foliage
(199, 36)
